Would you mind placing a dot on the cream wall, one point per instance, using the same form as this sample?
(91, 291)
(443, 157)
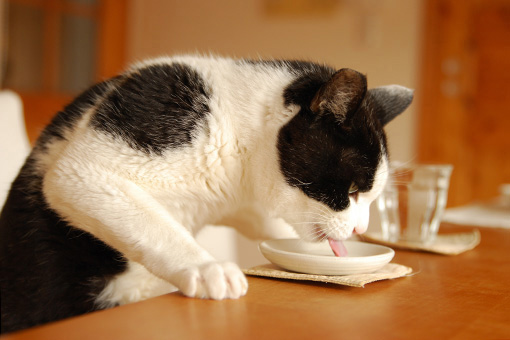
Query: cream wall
(380, 38)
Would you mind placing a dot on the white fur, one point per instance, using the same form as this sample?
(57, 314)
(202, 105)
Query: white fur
(150, 208)
(135, 284)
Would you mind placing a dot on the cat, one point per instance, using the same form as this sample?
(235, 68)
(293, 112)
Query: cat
(105, 209)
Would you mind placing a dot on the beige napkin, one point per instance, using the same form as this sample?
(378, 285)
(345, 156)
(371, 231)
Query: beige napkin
(446, 244)
(492, 215)
(389, 271)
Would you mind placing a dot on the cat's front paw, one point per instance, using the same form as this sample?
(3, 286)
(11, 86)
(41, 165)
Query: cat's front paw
(213, 280)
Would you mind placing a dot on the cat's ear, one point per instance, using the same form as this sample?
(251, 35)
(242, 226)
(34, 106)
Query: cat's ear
(341, 95)
(391, 101)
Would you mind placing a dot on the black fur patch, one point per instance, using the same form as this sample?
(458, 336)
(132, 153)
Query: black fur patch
(310, 77)
(48, 269)
(155, 108)
(323, 157)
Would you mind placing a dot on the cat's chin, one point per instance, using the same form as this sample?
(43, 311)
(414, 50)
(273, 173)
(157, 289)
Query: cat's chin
(335, 231)
(318, 234)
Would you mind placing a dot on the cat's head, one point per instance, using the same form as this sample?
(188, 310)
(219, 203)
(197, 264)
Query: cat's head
(333, 152)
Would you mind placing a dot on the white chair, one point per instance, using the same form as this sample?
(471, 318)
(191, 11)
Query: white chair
(14, 144)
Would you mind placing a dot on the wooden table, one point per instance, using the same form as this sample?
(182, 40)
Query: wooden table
(450, 297)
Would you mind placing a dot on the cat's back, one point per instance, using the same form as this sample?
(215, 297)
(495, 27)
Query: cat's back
(153, 105)
(164, 103)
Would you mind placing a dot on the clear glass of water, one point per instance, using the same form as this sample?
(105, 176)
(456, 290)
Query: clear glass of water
(413, 202)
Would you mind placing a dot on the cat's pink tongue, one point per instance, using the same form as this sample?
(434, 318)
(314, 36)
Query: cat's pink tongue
(338, 247)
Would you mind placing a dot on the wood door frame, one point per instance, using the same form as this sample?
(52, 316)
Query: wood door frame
(40, 106)
(448, 93)
(438, 133)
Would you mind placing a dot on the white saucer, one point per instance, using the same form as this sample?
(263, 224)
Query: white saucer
(318, 258)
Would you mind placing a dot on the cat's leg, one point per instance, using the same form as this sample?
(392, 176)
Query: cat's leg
(128, 218)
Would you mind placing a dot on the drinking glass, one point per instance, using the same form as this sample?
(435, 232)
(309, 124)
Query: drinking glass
(413, 202)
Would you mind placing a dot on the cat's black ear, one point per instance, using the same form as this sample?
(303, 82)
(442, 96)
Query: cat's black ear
(391, 101)
(341, 95)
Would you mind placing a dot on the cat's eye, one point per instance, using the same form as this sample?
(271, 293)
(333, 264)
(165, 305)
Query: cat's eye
(353, 188)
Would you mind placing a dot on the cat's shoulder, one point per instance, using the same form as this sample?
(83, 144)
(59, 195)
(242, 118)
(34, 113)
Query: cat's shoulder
(158, 103)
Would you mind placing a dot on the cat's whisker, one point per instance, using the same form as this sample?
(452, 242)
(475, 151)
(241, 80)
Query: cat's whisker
(309, 213)
(401, 169)
(316, 233)
(394, 168)
(402, 164)
(399, 182)
(324, 211)
(301, 182)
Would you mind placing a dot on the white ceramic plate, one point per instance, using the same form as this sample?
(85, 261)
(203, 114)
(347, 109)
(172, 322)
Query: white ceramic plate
(318, 258)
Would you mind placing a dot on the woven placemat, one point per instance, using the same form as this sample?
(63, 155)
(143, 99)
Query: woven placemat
(445, 244)
(389, 271)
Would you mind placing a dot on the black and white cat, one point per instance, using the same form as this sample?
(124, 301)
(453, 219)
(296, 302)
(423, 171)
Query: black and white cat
(105, 209)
